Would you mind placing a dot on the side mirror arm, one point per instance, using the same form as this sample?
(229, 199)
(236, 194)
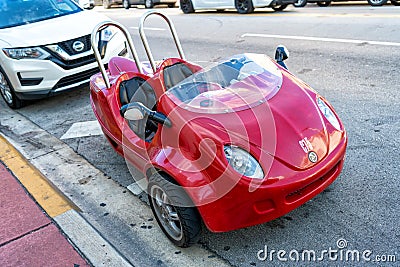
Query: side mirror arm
(143, 111)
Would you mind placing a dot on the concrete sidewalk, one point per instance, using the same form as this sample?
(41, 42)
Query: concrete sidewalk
(28, 235)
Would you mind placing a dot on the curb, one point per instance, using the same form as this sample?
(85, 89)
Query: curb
(63, 211)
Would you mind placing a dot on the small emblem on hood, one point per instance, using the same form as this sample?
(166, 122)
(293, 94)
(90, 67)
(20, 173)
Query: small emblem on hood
(312, 156)
(78, 46)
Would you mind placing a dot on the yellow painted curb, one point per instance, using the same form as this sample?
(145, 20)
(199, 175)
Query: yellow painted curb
(49, 198)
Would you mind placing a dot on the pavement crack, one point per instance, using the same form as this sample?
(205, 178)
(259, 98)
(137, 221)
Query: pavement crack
(26, 234)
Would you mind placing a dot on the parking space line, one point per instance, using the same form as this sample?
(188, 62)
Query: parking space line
(319, 39)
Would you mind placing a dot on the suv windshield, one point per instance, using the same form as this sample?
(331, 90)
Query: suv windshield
(20, 12)
(238, 83)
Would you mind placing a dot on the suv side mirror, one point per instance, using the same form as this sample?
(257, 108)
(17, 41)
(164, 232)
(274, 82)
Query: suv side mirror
(137, 111)
(281, 54)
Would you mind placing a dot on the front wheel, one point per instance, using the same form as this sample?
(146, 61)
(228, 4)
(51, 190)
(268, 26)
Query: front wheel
(244, 6)
(186, 6)
(8, 94)
(324, 4)
(126, 4)
(148, 3)
(174, 211)
(300, 3)
(377, 2)
(279, 8)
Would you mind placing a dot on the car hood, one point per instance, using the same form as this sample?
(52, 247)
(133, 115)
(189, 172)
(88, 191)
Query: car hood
(53, 30)
(286, 127)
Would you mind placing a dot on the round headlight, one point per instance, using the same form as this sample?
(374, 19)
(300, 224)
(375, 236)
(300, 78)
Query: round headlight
(328, 113)
(244, 163)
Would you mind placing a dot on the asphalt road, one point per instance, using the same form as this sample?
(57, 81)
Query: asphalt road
(353, 60)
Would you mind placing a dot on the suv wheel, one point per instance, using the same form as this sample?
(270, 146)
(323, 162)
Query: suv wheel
(8, 94)
(377, 2)
(186, 6)
(300, 3)
(148, 3)
(106, 4)
(244, 6)
(126, 4)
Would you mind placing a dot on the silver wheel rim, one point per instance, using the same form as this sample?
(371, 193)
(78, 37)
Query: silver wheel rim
(148, 3)
(5, 89)
(125, 3)
(166, 213)
(376, 1)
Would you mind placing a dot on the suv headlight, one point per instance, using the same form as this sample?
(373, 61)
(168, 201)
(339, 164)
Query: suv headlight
(328, 113)
(26, 53)
(243, 162)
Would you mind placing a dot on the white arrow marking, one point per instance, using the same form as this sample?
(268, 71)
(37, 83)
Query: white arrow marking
(82, 129)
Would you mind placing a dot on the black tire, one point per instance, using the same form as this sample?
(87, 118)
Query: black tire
(300, 3)
(126, 4)
(8, 93)
(186, 6)
(324, 4)
(279, 8)
(171, 5)
(244, 6)
(106, 4)
(377, 2)
(148, 4)
(395, 2)
(174, 211)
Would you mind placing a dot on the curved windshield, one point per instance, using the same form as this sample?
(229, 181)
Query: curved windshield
(19, 12)
(238, 83)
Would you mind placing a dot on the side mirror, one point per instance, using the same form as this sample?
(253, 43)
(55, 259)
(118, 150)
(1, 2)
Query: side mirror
(137, 111)
(281, 54)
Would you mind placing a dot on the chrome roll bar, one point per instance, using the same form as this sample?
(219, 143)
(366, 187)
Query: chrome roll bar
(146, 43)
(94, 42)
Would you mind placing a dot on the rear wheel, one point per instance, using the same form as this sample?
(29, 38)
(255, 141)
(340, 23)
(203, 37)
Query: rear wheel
(300, 3)
(8, 94)
(395, 2)
(377, 2)
(126, 4)
(169, 202)
(186, 6)
(244, 6)
(106, 4)
(148, 3)
(279, 8)
(324, 4)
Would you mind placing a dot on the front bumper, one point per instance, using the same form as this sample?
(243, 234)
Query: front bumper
(241, 208)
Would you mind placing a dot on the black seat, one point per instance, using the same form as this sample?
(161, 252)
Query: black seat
(137, 89)
(174, 74)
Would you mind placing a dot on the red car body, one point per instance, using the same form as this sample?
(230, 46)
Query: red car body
(299, 150)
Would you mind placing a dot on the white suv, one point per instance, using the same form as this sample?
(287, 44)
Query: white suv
(45, 48)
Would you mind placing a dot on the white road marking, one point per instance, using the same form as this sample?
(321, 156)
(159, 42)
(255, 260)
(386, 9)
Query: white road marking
(320, 39)
(82, 129)
(149, 28)
(138, 187)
